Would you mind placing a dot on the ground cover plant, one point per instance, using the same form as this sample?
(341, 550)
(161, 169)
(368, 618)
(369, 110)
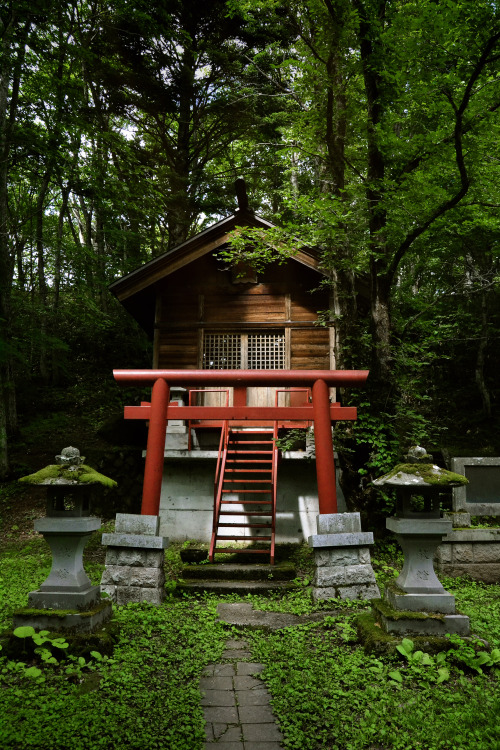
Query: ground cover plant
(327, 693)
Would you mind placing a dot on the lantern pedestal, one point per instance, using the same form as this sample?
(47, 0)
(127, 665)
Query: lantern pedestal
(67, 586)
(418, 589)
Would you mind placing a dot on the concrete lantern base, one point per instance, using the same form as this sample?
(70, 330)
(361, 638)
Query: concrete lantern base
(65, 621)
(67, 585)
(135, 559)
(342, 559)
(406, 622)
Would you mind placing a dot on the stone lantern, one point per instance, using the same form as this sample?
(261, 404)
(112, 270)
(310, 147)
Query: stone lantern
(67, 527)
(419, 529)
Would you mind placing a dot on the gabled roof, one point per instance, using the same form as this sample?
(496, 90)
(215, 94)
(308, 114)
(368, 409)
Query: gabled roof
(132, 290)
(201, 244)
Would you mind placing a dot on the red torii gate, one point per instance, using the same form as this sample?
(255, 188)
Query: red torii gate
(322, 413)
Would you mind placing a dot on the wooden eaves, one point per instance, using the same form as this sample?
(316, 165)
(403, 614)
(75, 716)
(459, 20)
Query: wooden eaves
(133, 290)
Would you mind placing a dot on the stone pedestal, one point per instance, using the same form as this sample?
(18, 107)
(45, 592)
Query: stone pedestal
(416, 602)
(420, 588)
(67, 587)
(342, 558)
(135, 557)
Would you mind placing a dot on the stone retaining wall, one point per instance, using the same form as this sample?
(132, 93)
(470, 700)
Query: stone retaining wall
(471, 552)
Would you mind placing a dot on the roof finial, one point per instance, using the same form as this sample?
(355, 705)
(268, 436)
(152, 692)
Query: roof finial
(241, 194)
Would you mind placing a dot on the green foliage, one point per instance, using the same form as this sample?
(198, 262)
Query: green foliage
(318, 675)
(148, 692)
(319, 684)
(292, 439)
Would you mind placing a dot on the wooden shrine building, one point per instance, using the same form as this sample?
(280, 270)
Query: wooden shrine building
(203, 314)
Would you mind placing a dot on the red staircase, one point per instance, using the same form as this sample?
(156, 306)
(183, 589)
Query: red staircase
(245, 477)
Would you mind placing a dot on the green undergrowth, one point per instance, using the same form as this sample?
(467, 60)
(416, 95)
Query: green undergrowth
(328, 694)
(147, 696)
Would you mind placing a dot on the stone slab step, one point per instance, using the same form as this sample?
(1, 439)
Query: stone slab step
(235, 587)
(240, 571)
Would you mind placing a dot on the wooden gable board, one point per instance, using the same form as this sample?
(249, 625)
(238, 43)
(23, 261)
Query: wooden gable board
(133, 290)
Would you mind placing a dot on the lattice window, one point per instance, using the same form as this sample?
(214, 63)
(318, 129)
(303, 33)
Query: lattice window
(244, 351)
(222, 351)
(266, 351)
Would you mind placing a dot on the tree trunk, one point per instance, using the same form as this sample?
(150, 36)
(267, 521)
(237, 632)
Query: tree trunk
(481, 357)
(42, 284)
(10, 79)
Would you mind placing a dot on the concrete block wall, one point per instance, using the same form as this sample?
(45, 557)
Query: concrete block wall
(186, 505)
(471, 552)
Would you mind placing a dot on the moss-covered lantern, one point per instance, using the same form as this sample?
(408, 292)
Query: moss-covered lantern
(419, 529)
(66, 528)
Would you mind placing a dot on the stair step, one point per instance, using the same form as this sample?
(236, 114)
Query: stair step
(237, 587)
(249, 461)
(252, 431)
(249, 471)
(242, 538)
(250, 453)
(230, 551)
(239, 571)
(251, 442)
(247, 492)
(247, 481)
(246, 502)
(245, 513)
(246, 526)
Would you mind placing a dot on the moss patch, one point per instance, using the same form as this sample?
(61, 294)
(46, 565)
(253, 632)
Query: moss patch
(392, 614)
(80, 644)
(62, 613)
(82, 475)
(377, 641)
(428, 473)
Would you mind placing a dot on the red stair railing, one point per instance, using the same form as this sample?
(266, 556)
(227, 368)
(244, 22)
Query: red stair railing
(218, 485)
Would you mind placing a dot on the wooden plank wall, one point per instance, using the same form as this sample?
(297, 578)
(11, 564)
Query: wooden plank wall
(202, 296)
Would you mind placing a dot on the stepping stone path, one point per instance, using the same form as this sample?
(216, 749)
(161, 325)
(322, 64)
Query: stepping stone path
(236, 704)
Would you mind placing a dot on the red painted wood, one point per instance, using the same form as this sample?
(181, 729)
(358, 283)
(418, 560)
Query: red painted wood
(238, 378)
(240, 396)
(325, 464)
(265, 413)
(153, 470)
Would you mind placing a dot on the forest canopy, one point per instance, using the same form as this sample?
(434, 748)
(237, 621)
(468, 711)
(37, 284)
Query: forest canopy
(368, 129)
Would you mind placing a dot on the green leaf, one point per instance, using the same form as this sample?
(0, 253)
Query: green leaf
(59, 643)
(444, 674)
(495, 655)
(406, 647)
(24, 631)
(32, 672)
(396, 676)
